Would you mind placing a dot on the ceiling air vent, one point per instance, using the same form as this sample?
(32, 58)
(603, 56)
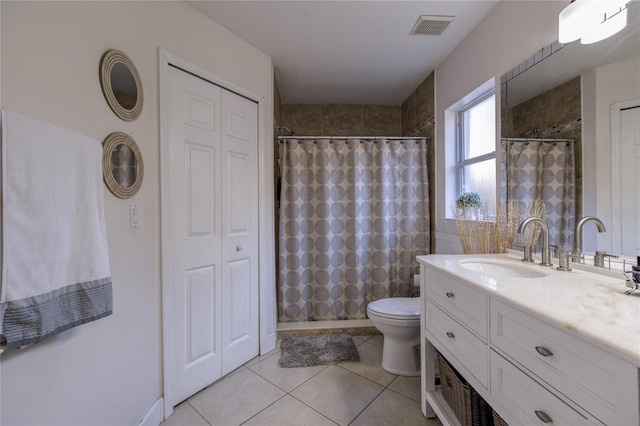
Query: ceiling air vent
(431, 25)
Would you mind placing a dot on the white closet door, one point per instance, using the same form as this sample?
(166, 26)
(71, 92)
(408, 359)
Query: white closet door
(194, 237)
(240, 309)
(212, 241)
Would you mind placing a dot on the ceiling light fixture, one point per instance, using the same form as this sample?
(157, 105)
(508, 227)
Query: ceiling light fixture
(591, 20)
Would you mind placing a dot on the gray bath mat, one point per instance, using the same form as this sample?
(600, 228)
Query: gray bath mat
(306, 351)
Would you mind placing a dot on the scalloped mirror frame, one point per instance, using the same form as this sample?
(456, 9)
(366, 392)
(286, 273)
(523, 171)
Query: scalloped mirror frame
(110, 145)
(109, 60)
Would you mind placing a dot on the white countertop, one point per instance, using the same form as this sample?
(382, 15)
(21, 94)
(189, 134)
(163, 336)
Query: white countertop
(589, 304)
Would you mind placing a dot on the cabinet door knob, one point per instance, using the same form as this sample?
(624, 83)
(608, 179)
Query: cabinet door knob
(544, 351)
(238, 247)
(450, 335)
(450, 295)
(544, 417)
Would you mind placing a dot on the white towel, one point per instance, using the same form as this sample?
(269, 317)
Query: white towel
(55, 262)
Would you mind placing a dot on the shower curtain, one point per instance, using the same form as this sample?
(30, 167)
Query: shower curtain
(544, 170)
(354, 215)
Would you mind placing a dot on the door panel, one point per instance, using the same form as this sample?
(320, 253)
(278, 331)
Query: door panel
(239, 231)
(239, 124)
(199, 111)
(193, 240)
(200, 295)
(240, 292)
(200, 166)
(239, 172)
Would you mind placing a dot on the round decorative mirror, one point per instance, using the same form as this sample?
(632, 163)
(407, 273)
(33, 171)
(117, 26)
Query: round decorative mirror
(121, 85)
(122, 165)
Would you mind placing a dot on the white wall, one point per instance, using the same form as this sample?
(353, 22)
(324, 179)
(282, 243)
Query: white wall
(110, 371)
(512, 32)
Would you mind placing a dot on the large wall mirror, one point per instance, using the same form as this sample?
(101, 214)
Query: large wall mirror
(569, 146)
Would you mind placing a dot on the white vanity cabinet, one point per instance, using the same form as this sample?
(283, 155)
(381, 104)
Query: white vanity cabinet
(531, 370)
(593, 378)
(527, 401)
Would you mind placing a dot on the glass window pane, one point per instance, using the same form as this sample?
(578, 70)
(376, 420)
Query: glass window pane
(481, 178)
(480, 128)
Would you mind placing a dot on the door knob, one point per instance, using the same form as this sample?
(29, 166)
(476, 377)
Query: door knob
(238, 247)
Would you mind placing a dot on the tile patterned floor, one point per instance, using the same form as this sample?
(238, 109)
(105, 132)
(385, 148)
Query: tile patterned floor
(351, 393)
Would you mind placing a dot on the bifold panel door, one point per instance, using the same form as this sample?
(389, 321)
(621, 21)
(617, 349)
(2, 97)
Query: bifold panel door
(212, 235)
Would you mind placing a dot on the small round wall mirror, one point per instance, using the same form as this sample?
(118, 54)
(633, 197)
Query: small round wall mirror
(121, 85)
(122, 165)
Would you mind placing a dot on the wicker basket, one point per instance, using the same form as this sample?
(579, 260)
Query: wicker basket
(497, 420)
(465, 402)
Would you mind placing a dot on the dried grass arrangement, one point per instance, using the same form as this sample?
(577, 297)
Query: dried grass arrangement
(484, 231)
(538, 209)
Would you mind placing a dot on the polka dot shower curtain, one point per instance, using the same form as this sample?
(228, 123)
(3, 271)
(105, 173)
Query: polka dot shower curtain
(354, 215)
(544, 170)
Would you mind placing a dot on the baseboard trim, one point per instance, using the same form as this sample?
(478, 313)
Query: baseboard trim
(155, 416)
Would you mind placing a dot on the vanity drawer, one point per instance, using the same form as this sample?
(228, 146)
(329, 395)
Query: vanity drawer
(465, 347)
(601, 383)
(528, 401)
(461, 300)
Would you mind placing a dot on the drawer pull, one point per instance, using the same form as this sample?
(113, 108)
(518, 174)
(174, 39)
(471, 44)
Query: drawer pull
(544, 417)
(450, 295)
(450, 335)
(544, 351)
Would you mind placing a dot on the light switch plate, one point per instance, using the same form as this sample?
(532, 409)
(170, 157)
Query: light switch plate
(134, 216)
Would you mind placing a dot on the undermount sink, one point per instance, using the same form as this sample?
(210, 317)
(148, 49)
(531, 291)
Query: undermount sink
(502, 268)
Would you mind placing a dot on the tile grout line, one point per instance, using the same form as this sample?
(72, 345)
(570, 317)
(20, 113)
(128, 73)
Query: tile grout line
(307, 405)
(198, 412)
(288, 392)
(265, 408)
(367, 406)
(380, 393)
(292, 390)
(376, 397)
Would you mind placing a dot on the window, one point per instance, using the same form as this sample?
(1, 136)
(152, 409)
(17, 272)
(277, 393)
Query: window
(477, 148)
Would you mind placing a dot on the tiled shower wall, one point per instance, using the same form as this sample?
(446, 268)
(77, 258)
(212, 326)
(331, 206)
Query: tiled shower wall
(555, 113)
(549, 112)
(342, 120)
(418, 112)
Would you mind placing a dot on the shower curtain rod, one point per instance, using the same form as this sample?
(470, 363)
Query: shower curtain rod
(535, 140)
(393, 138)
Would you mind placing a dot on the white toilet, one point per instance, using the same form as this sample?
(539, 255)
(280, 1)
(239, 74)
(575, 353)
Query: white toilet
(398, 319)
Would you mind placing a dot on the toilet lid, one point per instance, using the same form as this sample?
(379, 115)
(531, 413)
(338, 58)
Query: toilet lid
(396, 307)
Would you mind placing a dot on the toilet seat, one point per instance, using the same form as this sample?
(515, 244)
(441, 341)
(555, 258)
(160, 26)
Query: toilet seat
(399, 308)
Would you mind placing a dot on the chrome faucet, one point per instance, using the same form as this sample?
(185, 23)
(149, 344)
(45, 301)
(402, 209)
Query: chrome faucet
(546, 255)
(577, 235)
